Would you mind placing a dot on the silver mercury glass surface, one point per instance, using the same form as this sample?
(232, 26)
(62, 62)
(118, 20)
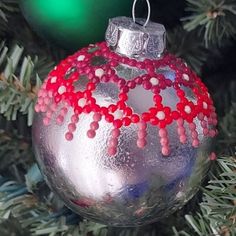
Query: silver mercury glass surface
(138, 186)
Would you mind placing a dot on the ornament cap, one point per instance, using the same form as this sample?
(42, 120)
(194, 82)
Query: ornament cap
(131, 39)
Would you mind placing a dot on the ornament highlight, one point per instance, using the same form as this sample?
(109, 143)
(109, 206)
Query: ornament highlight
(122, 129)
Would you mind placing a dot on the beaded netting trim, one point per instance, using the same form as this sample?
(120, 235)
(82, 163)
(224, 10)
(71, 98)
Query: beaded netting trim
(59, 90)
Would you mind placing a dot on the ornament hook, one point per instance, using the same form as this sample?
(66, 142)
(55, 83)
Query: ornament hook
(149, 12)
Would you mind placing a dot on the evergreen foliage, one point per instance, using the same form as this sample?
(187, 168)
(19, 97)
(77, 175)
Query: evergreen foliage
(28, 207)
(216, 18)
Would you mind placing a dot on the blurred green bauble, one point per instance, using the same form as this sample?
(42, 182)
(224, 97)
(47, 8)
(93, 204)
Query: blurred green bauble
(72, 24)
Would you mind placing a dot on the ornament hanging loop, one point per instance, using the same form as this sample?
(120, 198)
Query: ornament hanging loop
(149, 12)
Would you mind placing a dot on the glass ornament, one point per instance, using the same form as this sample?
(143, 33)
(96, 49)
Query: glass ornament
(123, 129)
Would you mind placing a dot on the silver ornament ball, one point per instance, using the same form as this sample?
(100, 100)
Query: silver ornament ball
(134, 186)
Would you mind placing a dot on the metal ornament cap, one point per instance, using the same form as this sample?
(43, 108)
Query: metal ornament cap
(133, 40)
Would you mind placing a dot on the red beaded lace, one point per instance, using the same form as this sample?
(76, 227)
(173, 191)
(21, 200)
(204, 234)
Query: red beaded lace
(59, 88)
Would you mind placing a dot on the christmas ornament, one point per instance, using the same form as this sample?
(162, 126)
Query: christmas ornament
(122, 129)
(72, 23)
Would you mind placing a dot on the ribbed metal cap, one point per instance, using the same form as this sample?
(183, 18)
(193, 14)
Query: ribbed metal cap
(134, 40)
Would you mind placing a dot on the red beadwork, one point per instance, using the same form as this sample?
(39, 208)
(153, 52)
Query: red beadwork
(59, 92)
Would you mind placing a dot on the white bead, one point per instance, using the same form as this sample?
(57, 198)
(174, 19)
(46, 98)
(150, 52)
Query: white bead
(53, 79)
(82, 102)
(205, 106)
(81, 58)
(187, 109)
(161, 115)
(99, 72)
(185, 77)
(61, 89)
(118, 115)
(154, 81)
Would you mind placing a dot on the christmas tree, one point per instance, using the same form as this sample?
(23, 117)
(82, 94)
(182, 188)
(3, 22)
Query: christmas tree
(203, 34)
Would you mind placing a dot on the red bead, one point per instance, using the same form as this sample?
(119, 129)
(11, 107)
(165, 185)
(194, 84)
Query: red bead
(180, 93)
(121, 82)
(131, 84)
(112, 151)
(164, 141)
(167, 110)
(109, 118)
(156, 90)
(181, 130)
(147, 85)
(213, 156)
(63, 111)
(192, 126)
(195, 143)
(157, 98)
(146, 116)
(91, 86)
(94, 125)
(87, 94)
(141, 143)
(117, 123)
(183, 138)
(212, 133)
(104, 110)
(126, 121)
(175, 115)
(142, 134)
(60, 120)
(37, 108)
(87, 109)
(113, 142)
(125, 89)
(154, 121)
(138, 80)
(205, 131)
(71, 127)
(135, 118)
(128, 111)
(115, 133)
(153, 111)
(162, 125)
(69, 136)
(112, 108)
(104, 79)
(46, 121)
(142, 125)
(97, 117)
(165, 151)
(121, 105)
(91, 133)
(163, 133)
(123, 96)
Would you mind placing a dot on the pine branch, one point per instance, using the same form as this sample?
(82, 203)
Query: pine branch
(7, 7)
(19, 82)
(228, 126)
(215, 18)
(15, 154)
(188, 46)
(218, 209)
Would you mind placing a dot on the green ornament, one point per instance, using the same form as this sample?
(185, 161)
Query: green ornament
(73, 23)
